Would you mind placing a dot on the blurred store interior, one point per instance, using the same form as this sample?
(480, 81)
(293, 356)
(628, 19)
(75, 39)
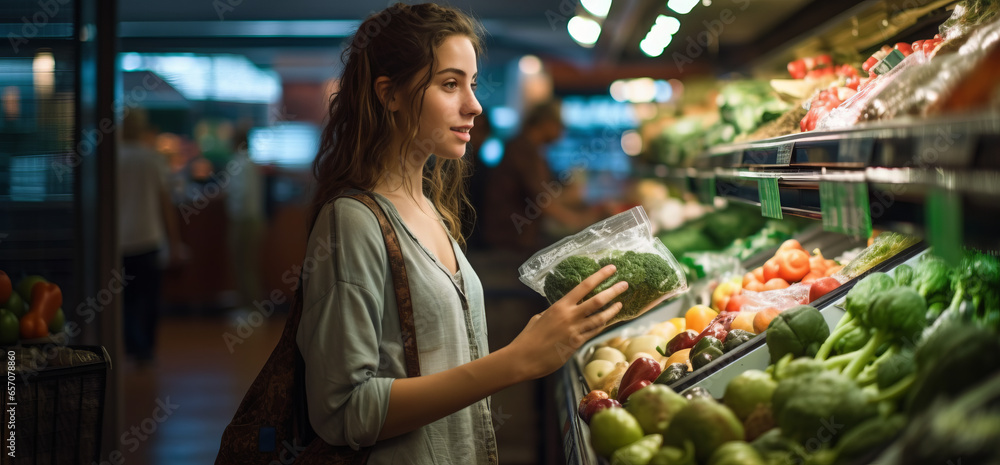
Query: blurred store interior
(233, 93)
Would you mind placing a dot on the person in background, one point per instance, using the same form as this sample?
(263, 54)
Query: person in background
(408, 97)
(245, 209)
(148, 234)
(521, 189)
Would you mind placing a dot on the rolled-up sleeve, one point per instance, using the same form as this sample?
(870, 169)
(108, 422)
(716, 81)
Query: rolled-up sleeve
(341, 327)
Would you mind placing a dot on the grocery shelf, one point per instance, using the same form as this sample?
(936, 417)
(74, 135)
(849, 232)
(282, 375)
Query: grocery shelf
(903, 175)
(965, 141)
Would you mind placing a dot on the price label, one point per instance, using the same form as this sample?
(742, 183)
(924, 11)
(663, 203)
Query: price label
(770, 197)
(845, 208)
(856, 150)
(706, 190)
(829, 207)
(785, 154)
(944, 224)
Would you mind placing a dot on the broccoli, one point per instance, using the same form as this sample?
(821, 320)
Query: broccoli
(869, 435)
(895, 317)
(932, 279)
(978, 278)
(799, 331)
(649, 276)
(859, 300)
(903, 274)
(808, 403)
(566, 275)
(966, 427)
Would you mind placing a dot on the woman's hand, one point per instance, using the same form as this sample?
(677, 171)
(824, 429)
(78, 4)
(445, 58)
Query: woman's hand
(551, 337)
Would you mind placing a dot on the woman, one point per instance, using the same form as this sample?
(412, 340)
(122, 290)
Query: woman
(398, 127)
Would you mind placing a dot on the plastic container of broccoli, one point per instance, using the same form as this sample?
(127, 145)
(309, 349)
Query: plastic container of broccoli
(625, 240)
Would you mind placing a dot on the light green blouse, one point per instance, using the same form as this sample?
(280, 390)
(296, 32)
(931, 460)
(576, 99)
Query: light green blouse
(350, 339)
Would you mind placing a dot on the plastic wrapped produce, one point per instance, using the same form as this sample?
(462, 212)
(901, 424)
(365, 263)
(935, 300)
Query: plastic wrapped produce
(624, 240)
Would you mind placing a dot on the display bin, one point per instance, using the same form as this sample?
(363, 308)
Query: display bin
(714, 376)
(58, 403)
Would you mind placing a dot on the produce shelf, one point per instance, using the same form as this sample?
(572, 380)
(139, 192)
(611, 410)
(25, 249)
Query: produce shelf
(913, 174)
(571, 386)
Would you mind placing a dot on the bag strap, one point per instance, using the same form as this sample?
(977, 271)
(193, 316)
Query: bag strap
(400, 283)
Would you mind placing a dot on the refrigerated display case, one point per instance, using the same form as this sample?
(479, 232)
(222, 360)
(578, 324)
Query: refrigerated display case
(934, 177)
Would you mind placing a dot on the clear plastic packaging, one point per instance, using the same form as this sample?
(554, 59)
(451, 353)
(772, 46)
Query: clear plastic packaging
(884, 246)
(625, 240)
(849, 112)
(918, 83)
(780, 299)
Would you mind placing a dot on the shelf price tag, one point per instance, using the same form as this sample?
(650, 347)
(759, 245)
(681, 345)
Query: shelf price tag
(785, 154)
(944, 224)
(770, 197)
(856, 150)
(845, 208)
(706, 190)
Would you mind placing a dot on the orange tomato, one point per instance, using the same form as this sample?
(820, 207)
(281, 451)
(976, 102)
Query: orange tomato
(812, 276)
(759, 274)
(817, 262)
(748, 279)
(744, 321)
(775, 284)
(681, 356)
(735, 303)
(763, 319)
(698, 317)
(791, 244)
(755, 286)
(792, 265)
(771, 269)
(831, 270)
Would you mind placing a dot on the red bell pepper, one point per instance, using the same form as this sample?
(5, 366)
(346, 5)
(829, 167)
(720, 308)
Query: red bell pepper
(46, 298)
(623, 394)
(642, 368)
(684, 340)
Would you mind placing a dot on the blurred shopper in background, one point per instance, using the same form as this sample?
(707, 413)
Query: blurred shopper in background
(148, 234)
(522, 189)
(245, 209)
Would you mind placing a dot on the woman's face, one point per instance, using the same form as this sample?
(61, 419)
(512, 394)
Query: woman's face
(450, 103)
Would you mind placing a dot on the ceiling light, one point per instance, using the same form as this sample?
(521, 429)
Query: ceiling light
(530, 64)
(669, 24)
(584, 31)
(597, 8)
(651, 48)
(682, 7)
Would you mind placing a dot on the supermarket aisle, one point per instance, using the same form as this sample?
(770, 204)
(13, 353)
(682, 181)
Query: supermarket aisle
(175, 411)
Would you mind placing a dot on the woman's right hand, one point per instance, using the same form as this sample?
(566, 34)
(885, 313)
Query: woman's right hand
(551, 337)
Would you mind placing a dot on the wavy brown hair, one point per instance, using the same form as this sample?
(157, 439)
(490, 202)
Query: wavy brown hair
(398, 43)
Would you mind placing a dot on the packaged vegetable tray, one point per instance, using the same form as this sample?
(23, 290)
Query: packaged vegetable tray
(624, 240)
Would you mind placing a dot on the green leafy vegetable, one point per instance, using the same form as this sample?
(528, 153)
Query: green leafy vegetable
(798, 331)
